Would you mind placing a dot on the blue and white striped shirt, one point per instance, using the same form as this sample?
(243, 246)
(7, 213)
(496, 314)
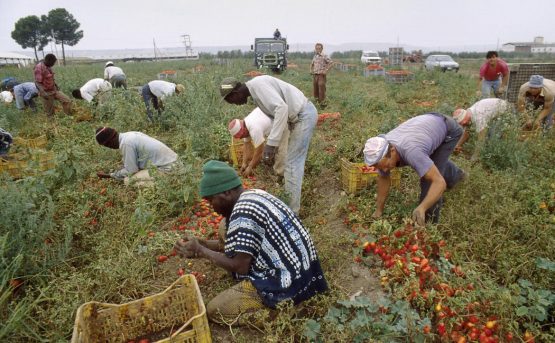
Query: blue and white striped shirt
(285, 263)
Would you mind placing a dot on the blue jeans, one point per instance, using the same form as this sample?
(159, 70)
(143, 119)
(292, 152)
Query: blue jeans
(489, 86)
(450, 172)
(147, 98)
(299, 140)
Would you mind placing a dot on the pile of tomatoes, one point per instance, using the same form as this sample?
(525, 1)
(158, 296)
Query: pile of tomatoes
(421, 269)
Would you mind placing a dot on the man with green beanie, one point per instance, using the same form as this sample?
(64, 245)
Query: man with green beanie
(266, 247)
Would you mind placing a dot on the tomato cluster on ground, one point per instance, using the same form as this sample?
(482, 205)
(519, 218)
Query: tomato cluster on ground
(419, 269)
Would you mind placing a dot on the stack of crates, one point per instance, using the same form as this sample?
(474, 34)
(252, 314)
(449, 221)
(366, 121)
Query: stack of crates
(398, 76)
(374, 70)
(396, 56)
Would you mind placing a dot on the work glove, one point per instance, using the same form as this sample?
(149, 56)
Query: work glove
(269, 155)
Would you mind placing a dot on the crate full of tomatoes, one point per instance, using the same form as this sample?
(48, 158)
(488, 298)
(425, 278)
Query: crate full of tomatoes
(358, 176)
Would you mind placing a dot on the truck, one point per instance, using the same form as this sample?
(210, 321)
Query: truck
(270, 53)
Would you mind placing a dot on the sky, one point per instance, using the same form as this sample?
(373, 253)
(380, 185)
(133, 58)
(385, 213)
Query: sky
(436, 24)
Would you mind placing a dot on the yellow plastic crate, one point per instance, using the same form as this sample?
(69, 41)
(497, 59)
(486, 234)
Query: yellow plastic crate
(33, 143)
(354, 179)
(19, 165)
(236, 151)
(179, 308)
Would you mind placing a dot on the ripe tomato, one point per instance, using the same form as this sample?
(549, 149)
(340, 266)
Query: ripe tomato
(441, 329)
(162, 258)
(426, 329)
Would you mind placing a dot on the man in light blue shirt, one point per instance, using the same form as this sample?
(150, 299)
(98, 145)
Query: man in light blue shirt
(24, 94)
(138, 150)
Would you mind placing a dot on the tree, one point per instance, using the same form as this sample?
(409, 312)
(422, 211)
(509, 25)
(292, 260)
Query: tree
(63, 28)
(30, 32)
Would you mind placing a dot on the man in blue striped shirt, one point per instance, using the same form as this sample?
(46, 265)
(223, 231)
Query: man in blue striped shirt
(266, 247)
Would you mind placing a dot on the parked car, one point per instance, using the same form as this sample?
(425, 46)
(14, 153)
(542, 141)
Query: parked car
(443, 62)
(370, 57)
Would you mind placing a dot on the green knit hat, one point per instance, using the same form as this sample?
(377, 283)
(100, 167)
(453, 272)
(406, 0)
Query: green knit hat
(217, 177)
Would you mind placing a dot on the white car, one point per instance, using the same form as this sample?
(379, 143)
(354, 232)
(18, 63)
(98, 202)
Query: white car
(370, 57)
(443, 62)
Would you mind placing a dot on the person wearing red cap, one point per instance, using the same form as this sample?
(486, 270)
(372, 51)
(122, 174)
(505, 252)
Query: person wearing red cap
(138, 151)
(254, 130)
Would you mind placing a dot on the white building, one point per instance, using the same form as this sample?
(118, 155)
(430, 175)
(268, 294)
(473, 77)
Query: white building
(11, 58)
(537, 46)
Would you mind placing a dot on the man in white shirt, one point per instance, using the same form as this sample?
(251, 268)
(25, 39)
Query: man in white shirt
(115, 75)
(287, 106)
(138, 151)
(481, 114)
(93, 88)
(253, 130)
(156, 91)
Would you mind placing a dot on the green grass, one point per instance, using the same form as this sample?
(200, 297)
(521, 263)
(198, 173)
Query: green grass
(494, 223)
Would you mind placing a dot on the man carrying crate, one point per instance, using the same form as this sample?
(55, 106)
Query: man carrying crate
(266, 247)
(425, 143)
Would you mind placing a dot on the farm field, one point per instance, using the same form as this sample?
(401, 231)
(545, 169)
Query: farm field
(485, 273)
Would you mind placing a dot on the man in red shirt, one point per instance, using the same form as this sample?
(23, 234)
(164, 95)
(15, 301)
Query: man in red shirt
(48, 90)
(494, 75)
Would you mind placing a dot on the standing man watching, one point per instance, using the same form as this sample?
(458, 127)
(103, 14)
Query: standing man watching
(48, 89)
(425, 143)
(538, 92)
(494, 75)
(319, 68)
(115, 75)
(287, 106)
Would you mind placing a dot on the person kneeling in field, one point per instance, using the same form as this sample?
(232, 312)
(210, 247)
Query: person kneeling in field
(24, 94)
(93, 88)
(254, 129)
(138, 150)
(266, 247)
(539, 93)
(481, 114)
(425, 143)
(156, 91)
